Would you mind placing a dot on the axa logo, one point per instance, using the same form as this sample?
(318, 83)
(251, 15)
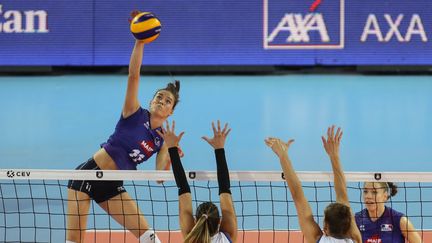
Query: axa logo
(12, 174)
(27, 21)
(299, 24)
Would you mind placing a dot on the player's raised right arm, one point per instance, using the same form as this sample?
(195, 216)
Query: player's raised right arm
(229, 219)
(331, 146)
(131, 103)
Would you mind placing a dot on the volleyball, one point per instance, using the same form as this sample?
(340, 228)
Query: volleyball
(145, 27)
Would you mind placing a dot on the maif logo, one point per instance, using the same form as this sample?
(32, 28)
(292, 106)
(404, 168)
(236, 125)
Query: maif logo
(299, 24)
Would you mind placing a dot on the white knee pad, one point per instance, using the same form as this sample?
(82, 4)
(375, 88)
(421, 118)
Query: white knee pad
(149, 237)
(68, 241)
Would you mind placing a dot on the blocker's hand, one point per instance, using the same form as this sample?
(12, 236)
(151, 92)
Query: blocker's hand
(219, 136)
(279, 147)
(169, 136)
(332, 142)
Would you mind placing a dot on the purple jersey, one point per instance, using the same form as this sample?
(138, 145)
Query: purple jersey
(384, 230)
(133, 140)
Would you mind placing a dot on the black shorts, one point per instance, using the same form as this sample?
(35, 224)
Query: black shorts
(100, 191)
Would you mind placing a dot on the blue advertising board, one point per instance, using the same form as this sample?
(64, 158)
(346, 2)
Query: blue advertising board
(224, 32)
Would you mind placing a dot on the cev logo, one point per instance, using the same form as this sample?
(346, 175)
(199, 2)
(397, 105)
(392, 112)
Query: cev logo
(12, 174)
(293, 24)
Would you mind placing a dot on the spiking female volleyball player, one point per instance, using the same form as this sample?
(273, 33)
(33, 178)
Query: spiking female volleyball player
(134, 141)
(379, 223)
(339, 224)
(207, 226)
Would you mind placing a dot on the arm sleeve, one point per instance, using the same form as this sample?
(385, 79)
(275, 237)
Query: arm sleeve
(222, 172)
(179, 173)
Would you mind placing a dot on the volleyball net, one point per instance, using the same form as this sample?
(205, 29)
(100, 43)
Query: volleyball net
(33, 203)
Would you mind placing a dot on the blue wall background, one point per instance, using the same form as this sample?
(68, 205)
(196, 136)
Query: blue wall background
(224, 32)
(56, 122)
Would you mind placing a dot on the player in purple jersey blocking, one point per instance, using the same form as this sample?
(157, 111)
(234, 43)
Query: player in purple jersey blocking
(339, 224)
(134, 140)
(379, 223)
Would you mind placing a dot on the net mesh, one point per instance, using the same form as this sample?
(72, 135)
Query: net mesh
(33, 203)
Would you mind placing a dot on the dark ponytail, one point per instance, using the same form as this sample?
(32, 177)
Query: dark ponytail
(392, 189)
(174, 88)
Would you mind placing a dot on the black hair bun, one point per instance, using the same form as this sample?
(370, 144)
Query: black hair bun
(177, 85)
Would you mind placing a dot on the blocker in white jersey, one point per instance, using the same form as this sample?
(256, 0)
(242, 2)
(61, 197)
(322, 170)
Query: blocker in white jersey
(339, 223)
(329, 239)
(208, 226)
(221, 237)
